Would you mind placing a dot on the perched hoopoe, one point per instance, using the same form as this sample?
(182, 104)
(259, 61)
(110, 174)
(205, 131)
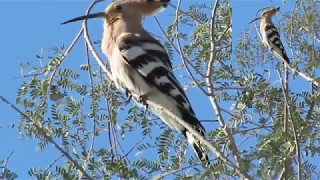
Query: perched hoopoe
(141, 66)
(270, 34)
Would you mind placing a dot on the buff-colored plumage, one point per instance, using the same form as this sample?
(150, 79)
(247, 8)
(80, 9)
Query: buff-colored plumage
(270, 34)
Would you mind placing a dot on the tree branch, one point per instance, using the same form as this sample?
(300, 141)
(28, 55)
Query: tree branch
(296, 139)
(212, 98)
(201, 139)
(47, 137)
(88, 40)
(181, 53)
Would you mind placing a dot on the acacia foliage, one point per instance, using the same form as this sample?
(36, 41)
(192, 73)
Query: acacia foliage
(258, 128)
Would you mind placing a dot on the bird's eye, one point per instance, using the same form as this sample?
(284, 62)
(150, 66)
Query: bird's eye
(119, 8)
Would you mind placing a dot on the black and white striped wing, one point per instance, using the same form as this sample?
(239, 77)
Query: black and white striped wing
(150, 59)
(274, 42)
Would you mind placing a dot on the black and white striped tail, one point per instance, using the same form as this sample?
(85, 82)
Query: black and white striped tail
(198, 148)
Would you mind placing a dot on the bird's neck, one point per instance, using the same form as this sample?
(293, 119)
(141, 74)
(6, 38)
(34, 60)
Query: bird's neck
(122, 26)
(266, 20)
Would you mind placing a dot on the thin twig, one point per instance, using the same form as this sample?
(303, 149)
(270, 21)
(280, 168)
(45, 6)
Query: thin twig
(244, 140)
(30, 75)
(137, 143)
(212, 98)
(110, 124)
(94, 110)
(65, 54)
(88, 40)
(181, 53)
(291, 30)
(312, 105)
(4, 172)
(177, 170)
(296, 139)
(184, 13)
(200, 138)
(47, 137)
(284, 84)
(52, 163)
(185, 58)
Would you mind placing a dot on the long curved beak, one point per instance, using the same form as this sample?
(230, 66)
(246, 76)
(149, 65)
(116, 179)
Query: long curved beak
(89, 16)
(275, 10)
(254, 20)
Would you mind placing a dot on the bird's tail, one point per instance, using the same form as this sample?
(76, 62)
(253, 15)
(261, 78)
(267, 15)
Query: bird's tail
(198, 148)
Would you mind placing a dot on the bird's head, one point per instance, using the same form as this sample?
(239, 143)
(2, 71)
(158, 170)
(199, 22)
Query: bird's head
(126, 9)
(267, 13)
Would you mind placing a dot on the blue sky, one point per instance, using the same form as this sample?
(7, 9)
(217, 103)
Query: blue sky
(28, 26)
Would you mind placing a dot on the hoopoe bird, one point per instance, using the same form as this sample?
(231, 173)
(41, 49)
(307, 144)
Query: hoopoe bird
(270, 34)
(141, 67)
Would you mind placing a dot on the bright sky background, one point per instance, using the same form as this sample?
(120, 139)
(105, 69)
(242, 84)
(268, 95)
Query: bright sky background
(27, 26)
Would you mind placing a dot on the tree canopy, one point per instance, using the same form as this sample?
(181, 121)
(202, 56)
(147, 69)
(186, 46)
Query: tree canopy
(260, 127)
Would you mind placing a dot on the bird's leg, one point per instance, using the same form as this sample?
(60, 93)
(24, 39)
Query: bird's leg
(129, 97)
(143, 100)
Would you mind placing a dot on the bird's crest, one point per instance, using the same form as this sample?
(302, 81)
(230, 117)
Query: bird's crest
(134, 8)
(126, 9)
(269, 12)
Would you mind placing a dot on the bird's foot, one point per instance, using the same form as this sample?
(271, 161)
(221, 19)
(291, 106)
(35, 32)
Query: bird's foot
(129, 97)
(143, 100)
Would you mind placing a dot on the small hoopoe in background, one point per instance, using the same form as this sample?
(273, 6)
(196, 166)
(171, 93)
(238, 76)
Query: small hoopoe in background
(141, 66)
(270, 34)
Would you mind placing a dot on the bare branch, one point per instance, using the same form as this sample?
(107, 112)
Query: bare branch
(212, 98)
(94, 110)
(88, 40)
(4, 173)
(65, 54)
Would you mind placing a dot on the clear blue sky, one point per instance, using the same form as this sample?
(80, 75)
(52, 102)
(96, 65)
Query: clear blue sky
(28, 26)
